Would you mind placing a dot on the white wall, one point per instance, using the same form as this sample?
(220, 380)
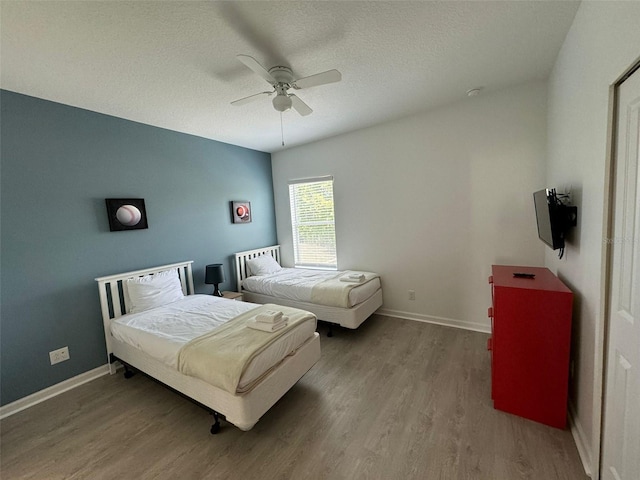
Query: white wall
(431, 201)
(603, 42)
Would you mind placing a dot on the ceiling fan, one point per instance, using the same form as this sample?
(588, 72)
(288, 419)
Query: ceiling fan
(282, 80)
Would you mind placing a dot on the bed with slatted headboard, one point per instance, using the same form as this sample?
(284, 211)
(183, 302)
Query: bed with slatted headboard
(114, 297)
(351, 317)
(242, 257)
(241, 409)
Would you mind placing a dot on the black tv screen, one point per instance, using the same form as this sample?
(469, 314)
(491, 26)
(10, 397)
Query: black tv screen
(549, 218)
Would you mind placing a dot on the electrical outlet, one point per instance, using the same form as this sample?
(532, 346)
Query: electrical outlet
(59, 355)
(412, 294)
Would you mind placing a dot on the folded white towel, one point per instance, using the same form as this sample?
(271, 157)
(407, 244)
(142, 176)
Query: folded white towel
(357, 276)
(352, 278)
(268, 327)
(269, 316)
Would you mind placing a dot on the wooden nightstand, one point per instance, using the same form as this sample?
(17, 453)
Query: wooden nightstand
(232, 295)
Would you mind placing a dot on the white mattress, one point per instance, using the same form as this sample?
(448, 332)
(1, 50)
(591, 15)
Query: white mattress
(297, 284)
(161, 332)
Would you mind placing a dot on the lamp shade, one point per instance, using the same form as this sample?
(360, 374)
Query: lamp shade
(214, 274)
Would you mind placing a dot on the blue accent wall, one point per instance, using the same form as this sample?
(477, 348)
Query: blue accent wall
(59, 163)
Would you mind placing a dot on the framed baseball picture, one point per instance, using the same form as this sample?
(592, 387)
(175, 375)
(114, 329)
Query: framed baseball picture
(240, 212)
(126, 214)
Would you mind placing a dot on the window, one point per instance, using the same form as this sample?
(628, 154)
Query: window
(313, 222)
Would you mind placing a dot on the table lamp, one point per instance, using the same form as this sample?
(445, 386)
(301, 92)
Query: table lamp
(214, 274)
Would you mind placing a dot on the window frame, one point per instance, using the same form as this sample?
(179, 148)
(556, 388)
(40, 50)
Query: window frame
(296, 223)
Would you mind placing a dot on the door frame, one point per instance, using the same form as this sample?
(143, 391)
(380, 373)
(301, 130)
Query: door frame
(602, 332)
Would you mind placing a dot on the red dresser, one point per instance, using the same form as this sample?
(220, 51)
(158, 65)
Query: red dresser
(530, 342)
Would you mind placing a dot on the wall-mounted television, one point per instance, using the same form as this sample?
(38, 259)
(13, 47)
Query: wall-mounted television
(554, 218)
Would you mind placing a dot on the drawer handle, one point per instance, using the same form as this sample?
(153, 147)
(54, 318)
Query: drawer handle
(490, 312)
(490, 278)
(489, 343)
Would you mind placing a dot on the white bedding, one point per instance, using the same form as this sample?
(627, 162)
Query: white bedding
(297, 284)
(162, 331)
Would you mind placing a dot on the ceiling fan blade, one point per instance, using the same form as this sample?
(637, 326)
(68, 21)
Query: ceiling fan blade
(300, 107)
(253, 64)
(323, 78)
(249, 99)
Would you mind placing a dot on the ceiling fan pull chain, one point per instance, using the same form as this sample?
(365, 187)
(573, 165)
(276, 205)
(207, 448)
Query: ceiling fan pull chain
(281, 129)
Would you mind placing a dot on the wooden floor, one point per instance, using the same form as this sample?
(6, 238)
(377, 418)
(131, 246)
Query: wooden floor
(394, 399)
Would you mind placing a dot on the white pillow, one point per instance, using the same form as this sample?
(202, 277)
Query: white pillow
(154, 290)
(262, 265)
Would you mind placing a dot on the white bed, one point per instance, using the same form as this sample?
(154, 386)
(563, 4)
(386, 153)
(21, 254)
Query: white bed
(363, 300)
(151, 341)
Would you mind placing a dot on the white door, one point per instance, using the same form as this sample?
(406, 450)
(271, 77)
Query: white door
(621, 434)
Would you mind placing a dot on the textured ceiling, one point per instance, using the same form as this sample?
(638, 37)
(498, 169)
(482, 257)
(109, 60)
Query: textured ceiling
(173, 64)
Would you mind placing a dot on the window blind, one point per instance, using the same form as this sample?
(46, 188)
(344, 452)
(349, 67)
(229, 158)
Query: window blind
(313, 222)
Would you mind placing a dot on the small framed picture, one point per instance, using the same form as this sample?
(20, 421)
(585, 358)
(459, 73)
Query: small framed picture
(240, 212)
(126, 214)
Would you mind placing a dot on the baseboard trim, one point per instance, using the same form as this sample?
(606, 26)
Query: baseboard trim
(52, 391)
(584, 451)
(447, 322)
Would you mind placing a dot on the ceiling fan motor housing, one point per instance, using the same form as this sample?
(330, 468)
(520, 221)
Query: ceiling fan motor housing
(282, 74)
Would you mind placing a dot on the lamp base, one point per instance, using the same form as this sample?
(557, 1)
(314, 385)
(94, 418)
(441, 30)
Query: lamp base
(216, 292)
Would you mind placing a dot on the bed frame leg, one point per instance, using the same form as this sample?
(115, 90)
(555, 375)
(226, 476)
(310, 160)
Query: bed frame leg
(215, 428)
(128, 373)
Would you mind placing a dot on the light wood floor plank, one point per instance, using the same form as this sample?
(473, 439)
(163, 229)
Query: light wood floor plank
(394, 399)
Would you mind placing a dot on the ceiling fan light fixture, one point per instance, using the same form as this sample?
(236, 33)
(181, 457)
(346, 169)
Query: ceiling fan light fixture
(282, 103)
